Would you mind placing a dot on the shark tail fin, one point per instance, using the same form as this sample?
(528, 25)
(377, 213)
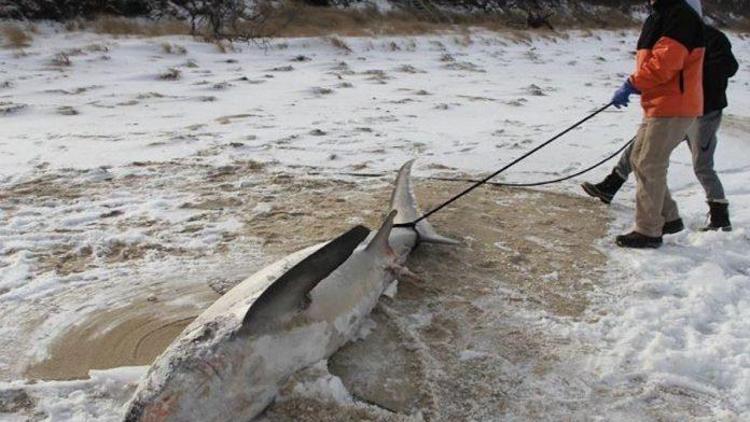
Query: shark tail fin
(404, 201)
(427, 234)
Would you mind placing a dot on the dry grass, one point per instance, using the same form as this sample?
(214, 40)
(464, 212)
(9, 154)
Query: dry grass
(14, 36)
(61, 60)
(224, 46)
(171, 74)
(169, 48)
(339, 44)
(297, 20)
(97, 48)
(293, 19)
(124, 26)
(742, 25)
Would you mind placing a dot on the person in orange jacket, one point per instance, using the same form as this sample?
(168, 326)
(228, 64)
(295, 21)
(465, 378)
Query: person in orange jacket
(669, 79)
(718, 66)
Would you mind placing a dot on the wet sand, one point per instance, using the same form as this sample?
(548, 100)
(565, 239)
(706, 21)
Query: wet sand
(522, 251)
(130, 336)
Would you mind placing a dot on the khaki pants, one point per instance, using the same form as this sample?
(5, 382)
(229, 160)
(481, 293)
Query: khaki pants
(656, 138)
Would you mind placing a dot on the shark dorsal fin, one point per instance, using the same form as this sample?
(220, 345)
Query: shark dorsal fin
(289, 292)
(380, 241)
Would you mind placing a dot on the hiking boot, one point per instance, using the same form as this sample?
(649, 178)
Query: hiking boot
(637, 240)
(605, 190)
(672, 227)
(719, 217)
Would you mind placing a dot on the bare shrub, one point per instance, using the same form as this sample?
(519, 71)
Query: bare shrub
(234, 20)
(171, 74)
(15, 36)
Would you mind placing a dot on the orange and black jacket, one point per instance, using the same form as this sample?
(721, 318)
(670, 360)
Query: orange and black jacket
(669, 69)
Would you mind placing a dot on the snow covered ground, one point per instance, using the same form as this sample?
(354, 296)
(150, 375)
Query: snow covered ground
(103, 163)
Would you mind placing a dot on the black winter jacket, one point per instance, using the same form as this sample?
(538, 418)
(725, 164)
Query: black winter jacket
(719, 65)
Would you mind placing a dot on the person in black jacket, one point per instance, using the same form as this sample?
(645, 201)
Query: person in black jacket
(719, 65)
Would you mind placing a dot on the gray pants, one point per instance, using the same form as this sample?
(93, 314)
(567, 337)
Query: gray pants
(702, 141)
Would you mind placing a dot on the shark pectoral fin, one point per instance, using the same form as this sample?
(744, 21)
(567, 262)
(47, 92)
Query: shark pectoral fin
(286, 296)
(379, 242)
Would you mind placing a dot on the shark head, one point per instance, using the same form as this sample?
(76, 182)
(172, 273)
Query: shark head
(193, 371)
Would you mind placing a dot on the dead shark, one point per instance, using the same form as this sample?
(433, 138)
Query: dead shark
(230, 362)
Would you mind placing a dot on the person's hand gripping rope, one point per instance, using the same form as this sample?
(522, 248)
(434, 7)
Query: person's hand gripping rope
(622, 95)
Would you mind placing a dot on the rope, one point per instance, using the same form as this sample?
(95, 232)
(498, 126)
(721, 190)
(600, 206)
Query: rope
(511, 164)
(545, 182)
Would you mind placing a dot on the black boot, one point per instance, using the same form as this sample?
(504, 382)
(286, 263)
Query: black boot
(672, 227)
(637, 240)
(719, 212)
(605, 190)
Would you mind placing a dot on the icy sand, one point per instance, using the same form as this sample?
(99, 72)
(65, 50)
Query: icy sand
(124, 196)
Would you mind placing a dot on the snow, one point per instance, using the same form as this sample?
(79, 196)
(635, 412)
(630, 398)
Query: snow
(91, 399)
(683, 319)
(677, 317)
(326, 386)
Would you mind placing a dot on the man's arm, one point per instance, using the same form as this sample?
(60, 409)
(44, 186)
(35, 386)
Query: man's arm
(669, 53)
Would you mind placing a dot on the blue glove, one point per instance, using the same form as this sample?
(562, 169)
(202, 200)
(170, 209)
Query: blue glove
(622, 95)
